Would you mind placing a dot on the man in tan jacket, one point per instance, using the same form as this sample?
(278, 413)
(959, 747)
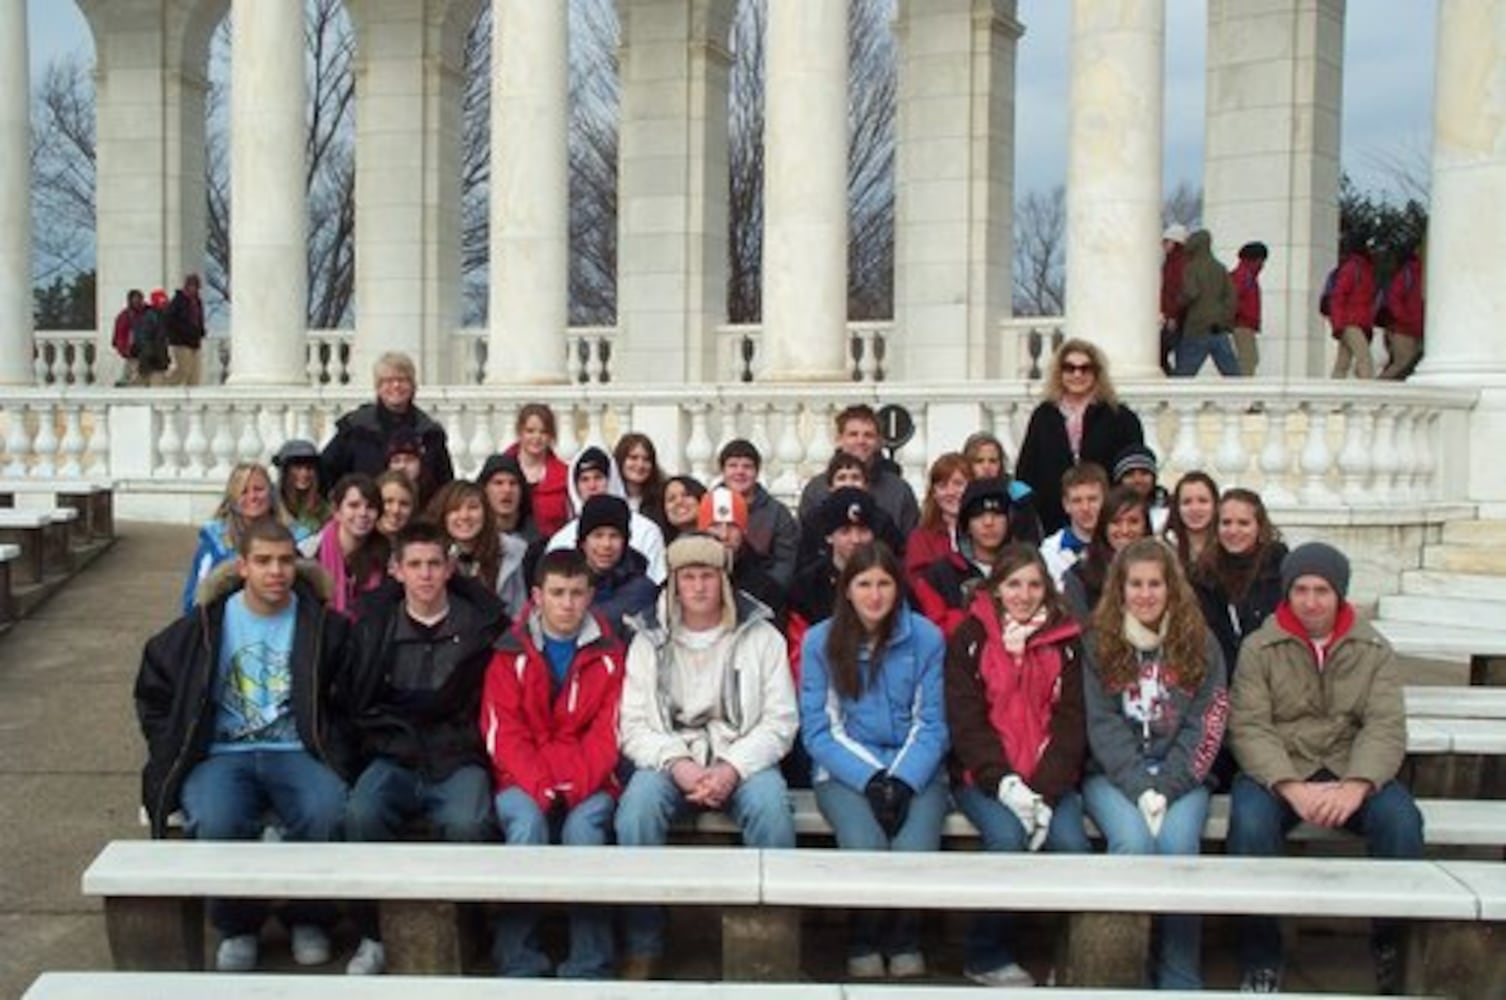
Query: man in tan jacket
(1319, 730)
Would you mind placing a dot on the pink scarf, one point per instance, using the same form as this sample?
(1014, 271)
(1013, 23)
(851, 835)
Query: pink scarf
(1073, 413)
(333, 561)
(1023, 689)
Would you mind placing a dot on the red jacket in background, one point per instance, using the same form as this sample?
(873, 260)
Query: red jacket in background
(1172, 266)
(1353, 300)
(121, 339)
(1404, 298)
(1246, 278)
(551, 746)
(549, 498)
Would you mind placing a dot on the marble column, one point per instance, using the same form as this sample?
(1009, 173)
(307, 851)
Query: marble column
(805, 191)
(1114, 180)
(409, 78)
(954, 187)
(1466, 259)
(672, 190)
(15, 197)
(528, 307)
(268, 232)
(1271, 161)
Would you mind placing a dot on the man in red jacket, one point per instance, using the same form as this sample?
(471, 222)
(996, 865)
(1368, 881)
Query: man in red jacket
(1173, 263)
(1404, 304)
(549, 717)
(1246, 277)
(1351, 309)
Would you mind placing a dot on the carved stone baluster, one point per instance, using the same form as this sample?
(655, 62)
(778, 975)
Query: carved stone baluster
(596, 423)
(1316, 457)
(45, 445)
(1428, 445)
(758, 431)
(1186, 451)
(71, 449)
(222, 444)
(313, 365)
(248, 446)
(698, 448)
(1001, 420)
(170, 443)
(452, 416)
(1406, 454)
(1383, 456)
(727, 430)
(1275, 457)
(97, 451)
(17, 442)
(274, 431)
(482, 436)
(567, 444)
(1354, 457)
(1150, 425)
(819, 448)
(912, 457)
(788, 452)
(1231, 459)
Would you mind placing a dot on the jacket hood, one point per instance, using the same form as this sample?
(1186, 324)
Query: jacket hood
(739, 610)
(1200, 244)
(593, 629)
(614, 478)
(224, 580)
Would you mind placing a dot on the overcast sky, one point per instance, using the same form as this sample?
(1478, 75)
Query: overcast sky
(1388, 83)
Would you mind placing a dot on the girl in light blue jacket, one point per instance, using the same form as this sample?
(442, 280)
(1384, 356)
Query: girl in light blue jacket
(872, 720)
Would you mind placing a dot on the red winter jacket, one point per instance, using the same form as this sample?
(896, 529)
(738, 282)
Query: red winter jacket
(1353, 299)
(1404, 298)
(561, 746)
(549, 498)
(1172, 266)
(1246, 277)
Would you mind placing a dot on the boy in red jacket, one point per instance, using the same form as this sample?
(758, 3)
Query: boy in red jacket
(549, 718)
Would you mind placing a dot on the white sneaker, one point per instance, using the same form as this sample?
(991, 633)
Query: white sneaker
(370, 959)
(1011, 975)
(237, 954)
(869, 966)
(907, 965)
(310, 944)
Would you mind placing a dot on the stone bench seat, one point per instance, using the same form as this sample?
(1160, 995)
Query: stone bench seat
(1455, 703)
(93, 499)
(8, 554)
(44, 538)
(194, 986)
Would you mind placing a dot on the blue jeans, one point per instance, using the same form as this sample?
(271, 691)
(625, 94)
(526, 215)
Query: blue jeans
(517, 950)
(1178, 961)
(856, 829)
(225, 797)
(1259, 821)
(760, 806)
(388, 795)
(1193, 351)
(987, 946)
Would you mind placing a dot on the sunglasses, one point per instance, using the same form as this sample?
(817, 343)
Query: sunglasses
(1068, 368)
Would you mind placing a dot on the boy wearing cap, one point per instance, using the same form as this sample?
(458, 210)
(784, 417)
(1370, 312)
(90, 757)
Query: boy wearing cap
(619, 574)
(549, 718)
(723, 514)
(984, 519)
(708, 712)
(594, 472)
(1135, 467)
(770, 532)
(1319, 730)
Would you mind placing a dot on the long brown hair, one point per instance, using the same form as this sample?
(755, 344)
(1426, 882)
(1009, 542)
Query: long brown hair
(486, 550)
(1232, 574)
(653, 490)
(371, 558)
(1014, 557)
(1185, 650)
(945, 467)
(847, 636)
(1099, 554)
(1175, 530)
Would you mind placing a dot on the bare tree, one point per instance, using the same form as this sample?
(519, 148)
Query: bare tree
(1184, 204)
(63, 169)
(1040, 240)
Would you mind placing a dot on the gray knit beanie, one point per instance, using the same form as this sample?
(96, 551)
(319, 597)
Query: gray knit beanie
(1316, 559)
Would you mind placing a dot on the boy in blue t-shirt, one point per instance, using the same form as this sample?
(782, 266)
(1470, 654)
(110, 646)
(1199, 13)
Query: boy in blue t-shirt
(252, 670)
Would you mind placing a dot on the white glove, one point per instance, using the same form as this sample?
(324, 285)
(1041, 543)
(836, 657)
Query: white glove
(1153, 808)
(1042, 824)
(1021, 800)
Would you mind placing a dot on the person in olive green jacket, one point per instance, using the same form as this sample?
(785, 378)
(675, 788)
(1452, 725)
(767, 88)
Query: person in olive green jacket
(1319, 731)
(1208, 303)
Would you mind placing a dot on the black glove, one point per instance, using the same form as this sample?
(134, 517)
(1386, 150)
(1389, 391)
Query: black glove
(890, 799)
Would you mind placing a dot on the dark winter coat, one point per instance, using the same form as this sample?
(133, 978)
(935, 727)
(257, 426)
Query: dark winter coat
(361, 440)
(1046, 452)
(1207, 292)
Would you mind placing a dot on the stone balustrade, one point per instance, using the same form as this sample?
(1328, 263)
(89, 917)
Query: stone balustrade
(1317, 445)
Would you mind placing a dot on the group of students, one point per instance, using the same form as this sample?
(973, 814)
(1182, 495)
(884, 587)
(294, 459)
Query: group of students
(1026, 649)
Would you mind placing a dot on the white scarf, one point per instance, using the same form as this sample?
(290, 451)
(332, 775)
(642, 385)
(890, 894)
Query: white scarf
(1140, 635)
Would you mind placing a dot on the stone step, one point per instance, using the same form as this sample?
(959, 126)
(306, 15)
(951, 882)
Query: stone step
(1445, 643)
(1475, 533)
(1439, 583)
(1480, 558)
(1443, 611)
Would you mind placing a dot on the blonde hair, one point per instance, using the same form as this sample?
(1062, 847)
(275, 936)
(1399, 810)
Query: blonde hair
(228, 513)
(1103, 389)
(395, 362)
(1185, 650)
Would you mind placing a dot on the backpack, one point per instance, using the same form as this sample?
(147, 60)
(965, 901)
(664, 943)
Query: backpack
(1325, 301)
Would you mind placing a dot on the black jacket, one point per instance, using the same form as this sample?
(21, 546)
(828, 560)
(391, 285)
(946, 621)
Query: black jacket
(361, 439)
(176, 707)
(184, 329)
(1047, 452)
(431, 730)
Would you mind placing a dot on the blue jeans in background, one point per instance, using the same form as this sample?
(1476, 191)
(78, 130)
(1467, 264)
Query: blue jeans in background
(517, 950)
(852, 820)
(387, 796)
(225, 798)
(1260, 819)
(1193, 351)
(988, 936)
(1178, 961)
(760, 806)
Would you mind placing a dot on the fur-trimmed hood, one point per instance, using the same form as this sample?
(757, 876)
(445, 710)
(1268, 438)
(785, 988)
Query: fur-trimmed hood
(224, 580)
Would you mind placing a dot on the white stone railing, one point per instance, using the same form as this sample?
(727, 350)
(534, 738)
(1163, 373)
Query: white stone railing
(72, 357)
(1035, 339)
(1314, 444)
(739, 351)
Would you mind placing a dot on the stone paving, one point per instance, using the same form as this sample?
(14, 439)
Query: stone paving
(70, 755)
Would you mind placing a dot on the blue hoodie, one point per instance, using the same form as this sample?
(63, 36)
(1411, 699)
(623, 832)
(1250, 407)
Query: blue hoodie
(897, 725)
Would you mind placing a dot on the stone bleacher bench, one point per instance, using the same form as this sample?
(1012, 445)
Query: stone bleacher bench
(44, 538)
(8, 554)
(153, 892)
(94, 501)
(194, 986)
